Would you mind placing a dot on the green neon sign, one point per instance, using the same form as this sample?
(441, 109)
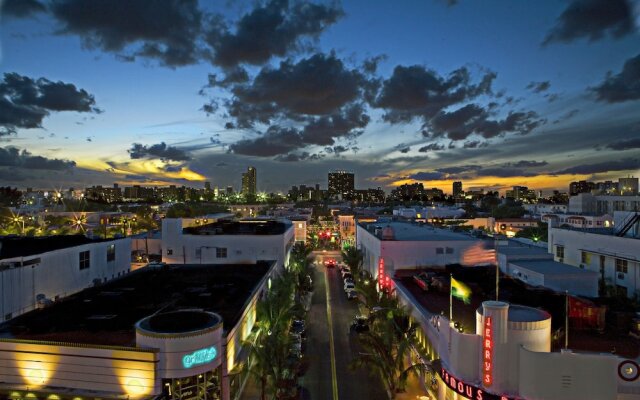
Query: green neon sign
(198, 357)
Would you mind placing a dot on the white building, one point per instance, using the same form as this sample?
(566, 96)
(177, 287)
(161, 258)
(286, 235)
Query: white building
(227, 242)
(578, 221)
(586, 203)
(508, 356)
(405, 245)
(615, 258)
(174, 333)
(429, 212)
(35, 271)
(541, 208)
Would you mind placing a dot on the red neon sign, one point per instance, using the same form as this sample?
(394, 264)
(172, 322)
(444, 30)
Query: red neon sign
(381, 273)
(487, 351)
(467, 390)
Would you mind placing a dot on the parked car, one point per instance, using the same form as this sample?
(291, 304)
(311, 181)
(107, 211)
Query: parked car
(345, 270)
(359, 324)
(347, 276)
(297, 326)
(423, 279)
(351, 295)
(349, 285)
(330, 263)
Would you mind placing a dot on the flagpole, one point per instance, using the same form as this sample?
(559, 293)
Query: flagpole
(566, 319)
(450, 298)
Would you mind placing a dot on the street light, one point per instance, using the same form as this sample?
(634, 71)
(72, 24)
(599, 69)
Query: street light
(17, 219)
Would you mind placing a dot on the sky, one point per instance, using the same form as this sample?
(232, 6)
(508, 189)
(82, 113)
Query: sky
(494, 93)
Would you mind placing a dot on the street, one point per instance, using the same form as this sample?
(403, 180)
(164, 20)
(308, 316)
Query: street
(318, 382)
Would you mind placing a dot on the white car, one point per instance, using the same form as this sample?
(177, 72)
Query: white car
(349, 286)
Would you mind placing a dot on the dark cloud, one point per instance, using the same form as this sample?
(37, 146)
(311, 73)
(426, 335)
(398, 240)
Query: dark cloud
(417, 92)
(605, 166)
(221, 164)
(458, 169)
(473, 119)
(539, 87)
(503, 172)
(627, 144)
(370, 65)
(318, 85)
(229, 125)
(348, 123)
(164, 30)
(431, 147)
(593, 19)
(427, 176)
(294, 157)
(623, 86)
(275, 29)
(568, 115)
(20, 8)
(24, 102)
(13, 157)
(404, 150)
(158, 151)
(474, 144)
(275, 141)
(525, 164)
(231, 77)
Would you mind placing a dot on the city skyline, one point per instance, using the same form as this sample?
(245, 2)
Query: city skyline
(426, 92)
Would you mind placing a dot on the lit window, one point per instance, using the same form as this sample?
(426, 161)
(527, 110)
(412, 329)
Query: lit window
(85, 259)
(585, 258)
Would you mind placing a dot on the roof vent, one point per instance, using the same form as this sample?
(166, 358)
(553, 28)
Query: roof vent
(388, 233)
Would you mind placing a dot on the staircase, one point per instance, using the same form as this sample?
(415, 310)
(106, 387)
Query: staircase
(627, 224)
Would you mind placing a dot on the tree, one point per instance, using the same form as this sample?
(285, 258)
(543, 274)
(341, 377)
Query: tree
(508, 211)
(387, 347)
(538, 233)
(354, 258)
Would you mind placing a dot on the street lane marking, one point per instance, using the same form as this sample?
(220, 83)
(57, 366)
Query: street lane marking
(334, 375)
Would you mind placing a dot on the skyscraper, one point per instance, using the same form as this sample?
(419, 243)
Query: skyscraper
(249, 180)
(457, 189)
(341, 183)
(628, 186)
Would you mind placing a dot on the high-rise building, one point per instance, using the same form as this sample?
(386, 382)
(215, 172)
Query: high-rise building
(341, 183)
(249, 180)
(628, 186)
(207, 186)
(581, 187)
(457, 189)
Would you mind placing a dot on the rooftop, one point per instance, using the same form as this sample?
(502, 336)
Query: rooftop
(550, 267)
(514, 249)
(407, 231)
(106, 315)
(244, 227)
(481, 281)
(518, 313)
(21, 246)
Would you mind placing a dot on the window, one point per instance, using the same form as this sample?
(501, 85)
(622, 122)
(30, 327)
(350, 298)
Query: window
(585, 258)
(560, 251)
(221, 252)
(169, 252)
(199, 252)
(85, 259)
(439, 250)
(111, 252)
(449, 250)
(621, 265)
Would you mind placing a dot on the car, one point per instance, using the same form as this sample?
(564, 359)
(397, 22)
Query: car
(344, 268)
(330, 263)
(297, 326)
(349, 286)
(156, 264)
(359, 324)
(347, 276)
(351, 295)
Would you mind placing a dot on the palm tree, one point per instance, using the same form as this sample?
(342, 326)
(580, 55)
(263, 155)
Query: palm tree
(387, 347)
(354, 258)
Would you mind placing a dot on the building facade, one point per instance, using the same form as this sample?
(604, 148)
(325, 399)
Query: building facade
(249, 182)
(341, 184)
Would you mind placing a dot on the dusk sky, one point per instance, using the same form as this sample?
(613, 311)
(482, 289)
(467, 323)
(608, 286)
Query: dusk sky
(494, 92)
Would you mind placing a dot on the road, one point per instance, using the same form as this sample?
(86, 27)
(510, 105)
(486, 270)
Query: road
(319, 380)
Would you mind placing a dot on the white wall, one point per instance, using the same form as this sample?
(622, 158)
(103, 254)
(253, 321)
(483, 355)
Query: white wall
(241, 249)
(58, 274)
(608, 246)
(567, 376)
(128, 372)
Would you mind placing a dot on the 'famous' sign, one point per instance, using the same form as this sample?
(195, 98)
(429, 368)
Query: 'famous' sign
(467, 390)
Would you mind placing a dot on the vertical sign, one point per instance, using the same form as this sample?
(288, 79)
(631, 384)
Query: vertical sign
(381, 273)
(487, 347)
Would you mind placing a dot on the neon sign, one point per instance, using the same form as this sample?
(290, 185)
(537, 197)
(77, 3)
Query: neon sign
(468, 391)
(487, 353)
(198, 357)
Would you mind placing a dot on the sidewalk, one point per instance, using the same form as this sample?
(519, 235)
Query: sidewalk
(415, 391)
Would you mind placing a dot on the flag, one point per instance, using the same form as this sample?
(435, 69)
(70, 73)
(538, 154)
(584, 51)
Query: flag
(460, 291)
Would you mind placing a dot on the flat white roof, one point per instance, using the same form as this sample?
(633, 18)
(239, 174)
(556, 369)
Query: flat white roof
(407, 231)
(549, 267)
